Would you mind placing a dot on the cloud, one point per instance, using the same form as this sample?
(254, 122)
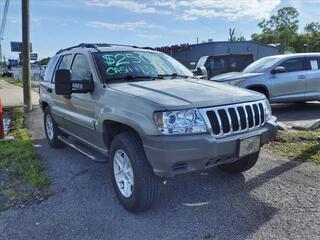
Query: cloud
(152, 37)
(130, 5)
(193, 9)
(231, 9)
(129, 26)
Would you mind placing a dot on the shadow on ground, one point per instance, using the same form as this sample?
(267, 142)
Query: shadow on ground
(296, 111)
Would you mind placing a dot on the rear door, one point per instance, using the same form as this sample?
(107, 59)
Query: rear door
(46, 86)
(291, 84)
(313, 78)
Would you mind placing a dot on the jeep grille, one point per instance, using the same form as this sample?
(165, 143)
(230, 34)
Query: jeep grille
(225, 120)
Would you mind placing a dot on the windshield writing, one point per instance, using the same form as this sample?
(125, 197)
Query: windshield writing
(117, 65)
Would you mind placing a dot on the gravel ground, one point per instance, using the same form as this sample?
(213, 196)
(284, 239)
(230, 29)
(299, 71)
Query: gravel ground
(277, 199)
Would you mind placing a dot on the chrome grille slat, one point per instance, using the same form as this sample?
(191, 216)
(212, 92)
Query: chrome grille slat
(246, 115)
(237, 116)
(229, 119)
(219, 121)
(253, 116)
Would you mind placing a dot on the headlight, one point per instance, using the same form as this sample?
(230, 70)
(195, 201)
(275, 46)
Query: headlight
(180, 122)
(236, 82)
(268, 111)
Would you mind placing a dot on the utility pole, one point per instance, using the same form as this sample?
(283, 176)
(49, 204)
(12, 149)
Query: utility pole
(26, 56)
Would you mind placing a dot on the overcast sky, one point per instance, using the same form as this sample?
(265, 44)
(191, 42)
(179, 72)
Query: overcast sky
(57, 24)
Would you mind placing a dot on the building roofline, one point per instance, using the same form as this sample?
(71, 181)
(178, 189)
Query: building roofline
(233, 42)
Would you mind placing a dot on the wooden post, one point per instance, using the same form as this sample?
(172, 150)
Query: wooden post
(26, 56)
(1, 121)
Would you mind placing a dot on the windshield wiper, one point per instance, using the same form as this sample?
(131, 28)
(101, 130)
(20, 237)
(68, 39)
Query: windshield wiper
(133, 77)
(173, 75)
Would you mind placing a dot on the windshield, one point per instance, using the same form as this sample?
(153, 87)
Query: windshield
(142, 65)
(261, 65)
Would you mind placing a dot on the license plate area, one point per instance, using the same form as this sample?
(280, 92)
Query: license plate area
(249, 145)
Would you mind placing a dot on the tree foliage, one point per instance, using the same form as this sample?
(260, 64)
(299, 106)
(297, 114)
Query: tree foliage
(282, 29)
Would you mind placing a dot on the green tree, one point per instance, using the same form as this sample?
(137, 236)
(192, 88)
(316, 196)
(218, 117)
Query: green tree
(281, 29)
(312, 37)
(44, 61)
(312, 28)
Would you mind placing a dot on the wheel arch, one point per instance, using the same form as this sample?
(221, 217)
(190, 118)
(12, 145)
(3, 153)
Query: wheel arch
(44, 105)
(260, 88)
(112, 128)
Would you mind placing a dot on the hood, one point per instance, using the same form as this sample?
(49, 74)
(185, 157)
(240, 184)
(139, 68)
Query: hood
(186, 93)
(233, 76)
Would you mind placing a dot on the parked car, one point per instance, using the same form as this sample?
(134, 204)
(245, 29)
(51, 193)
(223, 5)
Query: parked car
(282, 78)
(209, 66)
(149, 116)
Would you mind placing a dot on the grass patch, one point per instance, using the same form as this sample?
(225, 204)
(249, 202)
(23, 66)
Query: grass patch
(299, 145)
(21, 168)
(13, 81)
(17, 82)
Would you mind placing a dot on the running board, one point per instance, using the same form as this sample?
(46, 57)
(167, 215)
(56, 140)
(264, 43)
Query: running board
(96, 157)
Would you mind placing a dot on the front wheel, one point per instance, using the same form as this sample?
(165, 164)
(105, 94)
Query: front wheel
(133, 180)
(242, 165)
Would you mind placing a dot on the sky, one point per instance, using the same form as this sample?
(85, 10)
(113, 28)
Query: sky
(56, 24)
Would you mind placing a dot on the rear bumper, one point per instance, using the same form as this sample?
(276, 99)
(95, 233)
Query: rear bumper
(171, 155)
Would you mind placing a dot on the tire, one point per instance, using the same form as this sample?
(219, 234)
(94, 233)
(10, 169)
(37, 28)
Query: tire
(242, 165)
(145, 190)
(52, 132)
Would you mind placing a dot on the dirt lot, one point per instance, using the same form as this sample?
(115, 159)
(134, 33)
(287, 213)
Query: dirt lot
(278, 199)
(297, 114)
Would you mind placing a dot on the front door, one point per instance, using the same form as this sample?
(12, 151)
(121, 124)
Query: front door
(58, 106)
(291, 84)
(80, 114)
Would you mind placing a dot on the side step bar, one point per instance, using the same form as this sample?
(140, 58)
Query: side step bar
(96, 157)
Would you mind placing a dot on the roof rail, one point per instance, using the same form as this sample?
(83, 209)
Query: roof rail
(97, 45)
(85, 45)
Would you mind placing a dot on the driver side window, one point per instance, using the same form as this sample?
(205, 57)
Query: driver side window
(80, 69)
(293, 65)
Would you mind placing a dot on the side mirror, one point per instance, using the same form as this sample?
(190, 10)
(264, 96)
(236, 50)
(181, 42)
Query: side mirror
(65, 86)
(62, 82)
(278, 69)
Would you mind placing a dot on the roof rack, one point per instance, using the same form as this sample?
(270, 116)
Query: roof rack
(85, 45)
(97, 45)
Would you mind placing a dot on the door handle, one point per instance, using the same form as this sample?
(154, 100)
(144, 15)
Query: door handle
(49, 90)
(301, 76)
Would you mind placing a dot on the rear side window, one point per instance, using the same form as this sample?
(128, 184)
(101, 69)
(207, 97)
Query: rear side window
(313, 63)
(214, 64)
(50, 68)
(293, 65)
(80, 68)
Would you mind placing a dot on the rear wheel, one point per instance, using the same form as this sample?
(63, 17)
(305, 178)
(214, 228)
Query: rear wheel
(51, 129)
(134, 182)
(242, 165)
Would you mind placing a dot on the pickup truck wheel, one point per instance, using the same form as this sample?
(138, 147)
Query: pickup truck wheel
(51, 130)
(242, 165)
(134, 182)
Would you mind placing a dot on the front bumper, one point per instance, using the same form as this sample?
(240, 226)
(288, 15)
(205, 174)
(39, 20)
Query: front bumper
(171, 155)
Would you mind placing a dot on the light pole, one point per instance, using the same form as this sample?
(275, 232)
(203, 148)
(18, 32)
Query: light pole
(26, 56)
